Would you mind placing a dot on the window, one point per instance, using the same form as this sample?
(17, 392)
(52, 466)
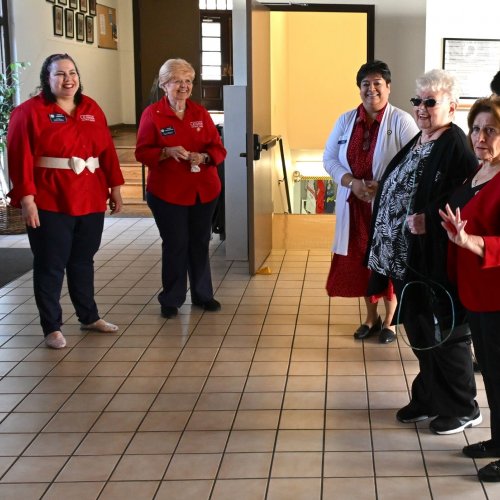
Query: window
(216, 4)
(4, 37)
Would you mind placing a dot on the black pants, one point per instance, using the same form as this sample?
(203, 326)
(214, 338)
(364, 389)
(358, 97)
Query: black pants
(65, 242)
(445, 384)
(185, 232)
(485, 328)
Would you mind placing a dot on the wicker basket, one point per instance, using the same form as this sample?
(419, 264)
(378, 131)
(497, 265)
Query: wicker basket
(11, 221)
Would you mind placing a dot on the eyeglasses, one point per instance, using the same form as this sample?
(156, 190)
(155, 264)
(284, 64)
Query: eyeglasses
(428, 103)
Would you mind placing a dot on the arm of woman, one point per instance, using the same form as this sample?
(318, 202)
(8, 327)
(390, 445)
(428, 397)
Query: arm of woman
(331, 157)
(115, 200)
(214, 149)
(148, 149)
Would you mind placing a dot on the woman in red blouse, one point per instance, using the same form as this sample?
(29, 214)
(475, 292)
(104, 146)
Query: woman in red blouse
(181, 146)
(63, 167)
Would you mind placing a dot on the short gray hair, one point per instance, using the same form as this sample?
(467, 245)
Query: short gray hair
(172, 66)
(439, 80)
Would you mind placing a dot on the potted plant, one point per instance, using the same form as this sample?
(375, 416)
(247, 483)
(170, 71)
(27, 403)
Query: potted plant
(9, 85)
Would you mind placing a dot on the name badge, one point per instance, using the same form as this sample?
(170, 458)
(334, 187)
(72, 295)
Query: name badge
(87, 118)
(197, 124)
(57, 118)
(342, 141)
(167, 131)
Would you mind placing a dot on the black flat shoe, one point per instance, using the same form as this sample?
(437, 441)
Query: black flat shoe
(490, 473)
(386, 336)
(483, 449)
(168, 311)
(412, 412)
(209, 305)
(365, 331)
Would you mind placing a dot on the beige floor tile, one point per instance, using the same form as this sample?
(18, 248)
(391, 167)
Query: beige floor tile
(108, 443)
(83, 491)
(460, 487)
(112, 368)
(354, 400)
(86, 402)
(347, 419)
(298, 489)
(155, 443)
(118, 421)
(25, 491)
(187, 490)
(34, 470)
(348, 440)
(256, 419)
(299, 440)
(41, 402)
(225, 384)
(141, 468)
(345, 488)
(302, 419)
(395, 488)
(164, 421)
(56, 444)
(71, 422)
(243, 489)
(193, 466)
(203, 442)
(218, 401)
(301, 383)
(399, 463)
(88, 468)
(24, 422)
(245, 465)
(210, 420)
(12, 445)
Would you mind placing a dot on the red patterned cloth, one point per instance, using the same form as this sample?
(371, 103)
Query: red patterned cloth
(348, 276)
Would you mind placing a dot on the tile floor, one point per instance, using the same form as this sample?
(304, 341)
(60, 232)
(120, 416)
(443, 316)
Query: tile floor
(270, 398)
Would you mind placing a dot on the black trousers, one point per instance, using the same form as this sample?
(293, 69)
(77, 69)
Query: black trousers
(445, 384)
(65, 243)
(485, 328)
(185, 232)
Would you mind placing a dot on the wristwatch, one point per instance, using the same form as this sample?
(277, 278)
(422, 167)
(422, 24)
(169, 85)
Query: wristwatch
(206, 158)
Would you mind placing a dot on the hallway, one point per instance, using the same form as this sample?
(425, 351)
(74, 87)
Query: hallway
(270, 398)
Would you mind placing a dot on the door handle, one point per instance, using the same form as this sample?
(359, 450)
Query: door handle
(257, 148)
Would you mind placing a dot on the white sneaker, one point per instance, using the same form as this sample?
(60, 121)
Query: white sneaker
(55, 340)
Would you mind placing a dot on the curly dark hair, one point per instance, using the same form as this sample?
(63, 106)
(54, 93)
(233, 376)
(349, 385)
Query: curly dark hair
(372, 67)
(495, 84)
(45, 75)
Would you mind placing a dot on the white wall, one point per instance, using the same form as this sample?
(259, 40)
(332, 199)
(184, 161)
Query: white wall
(462, 21)
(107, 75)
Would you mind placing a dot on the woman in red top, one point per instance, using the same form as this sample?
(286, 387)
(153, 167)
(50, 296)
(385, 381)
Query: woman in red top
(181, 146)
(63, 167)
(474, 263)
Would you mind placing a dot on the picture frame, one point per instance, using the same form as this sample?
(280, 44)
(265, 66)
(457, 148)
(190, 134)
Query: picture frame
(80, 26)
(89, 29)
(51, 1)
(73, 4)
(92, 7)
(473, 61)
(62, 2)
(57, 19)
(69, 23)
(84, 6)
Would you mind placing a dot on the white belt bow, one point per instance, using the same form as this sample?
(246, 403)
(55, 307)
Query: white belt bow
(74, 163)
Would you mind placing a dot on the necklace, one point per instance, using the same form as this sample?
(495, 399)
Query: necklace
(484, 174)
(177, 110)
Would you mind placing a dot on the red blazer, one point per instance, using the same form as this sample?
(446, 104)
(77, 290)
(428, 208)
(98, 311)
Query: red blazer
(170, 180)
(41, 128)
(478, 278)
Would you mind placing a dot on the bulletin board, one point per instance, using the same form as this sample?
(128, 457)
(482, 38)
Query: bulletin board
(106, 27)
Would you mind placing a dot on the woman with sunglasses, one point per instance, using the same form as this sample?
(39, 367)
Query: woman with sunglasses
(356, 154)
(409, 247)
(181, 147)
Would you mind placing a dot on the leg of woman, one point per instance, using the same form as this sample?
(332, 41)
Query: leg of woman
(484, 329)
(371, 312)
(80, 267)
(51, 247)
(200, 230)
(390, 309)
(172, 222)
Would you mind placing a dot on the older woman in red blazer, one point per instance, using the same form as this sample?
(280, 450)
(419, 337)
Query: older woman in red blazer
(472, 221)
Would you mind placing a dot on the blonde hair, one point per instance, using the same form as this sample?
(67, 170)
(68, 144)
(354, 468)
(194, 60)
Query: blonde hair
(439, 80)
(172, 66)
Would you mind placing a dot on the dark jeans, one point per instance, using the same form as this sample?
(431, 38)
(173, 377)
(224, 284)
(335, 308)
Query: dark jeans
(485, 328)
(185, 232)
(65, 242)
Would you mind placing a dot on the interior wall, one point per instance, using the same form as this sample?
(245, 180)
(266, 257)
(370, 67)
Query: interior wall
(462, 21)
(107, 75)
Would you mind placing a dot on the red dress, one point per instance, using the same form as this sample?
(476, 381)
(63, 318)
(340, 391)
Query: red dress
(348, 275)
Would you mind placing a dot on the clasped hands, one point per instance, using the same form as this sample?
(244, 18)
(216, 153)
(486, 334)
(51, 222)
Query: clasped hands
(364, 190)
(178, 153)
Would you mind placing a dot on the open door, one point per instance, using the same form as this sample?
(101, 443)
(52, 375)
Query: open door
(259, 160)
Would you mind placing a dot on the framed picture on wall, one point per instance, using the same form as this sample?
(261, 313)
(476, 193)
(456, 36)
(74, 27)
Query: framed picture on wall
(92, 7)
(69, 23)
(63, 2)
(84, 5)
(57, 19)
(51, 1)
(73, 4)
(89, 29)
(80, 27)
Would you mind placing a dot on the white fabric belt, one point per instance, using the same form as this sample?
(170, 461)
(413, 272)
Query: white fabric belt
(74, 163)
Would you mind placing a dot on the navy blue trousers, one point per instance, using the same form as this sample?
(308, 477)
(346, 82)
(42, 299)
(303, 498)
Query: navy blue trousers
(485, 329)
(185, 232)
(65, 243)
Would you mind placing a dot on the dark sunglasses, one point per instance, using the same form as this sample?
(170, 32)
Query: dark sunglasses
(428, 103)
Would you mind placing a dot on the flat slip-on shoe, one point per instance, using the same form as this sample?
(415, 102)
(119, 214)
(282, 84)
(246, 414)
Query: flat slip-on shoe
(386, 336)
(483, 449)
(365, 331)
(100, 326)
(55, 340)
(490, 473)
(168, 311)
(209, 305)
